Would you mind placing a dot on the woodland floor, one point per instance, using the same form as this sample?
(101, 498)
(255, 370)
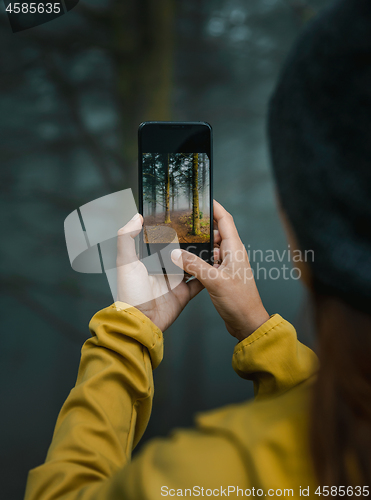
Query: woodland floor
(156, 231)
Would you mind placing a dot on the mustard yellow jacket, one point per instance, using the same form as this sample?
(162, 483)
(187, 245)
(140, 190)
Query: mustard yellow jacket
(257, 448)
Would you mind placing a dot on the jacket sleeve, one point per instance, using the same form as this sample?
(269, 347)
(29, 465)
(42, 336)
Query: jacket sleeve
(107, 411)
(274, 359)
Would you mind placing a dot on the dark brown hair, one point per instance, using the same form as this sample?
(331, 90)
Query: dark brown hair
(319, 123)
(341, 407)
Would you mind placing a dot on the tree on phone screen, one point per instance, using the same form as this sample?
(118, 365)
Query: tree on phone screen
(195, 203)
(167, 188)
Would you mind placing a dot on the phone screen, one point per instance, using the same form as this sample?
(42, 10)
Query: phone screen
(175, 189)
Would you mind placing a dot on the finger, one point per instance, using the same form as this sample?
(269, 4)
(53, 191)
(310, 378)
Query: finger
(226, 226)
(195, 287)
(230, 238)
(217, 237)
(125, 241)
(216, 255)
(133, 227)
(193, 265)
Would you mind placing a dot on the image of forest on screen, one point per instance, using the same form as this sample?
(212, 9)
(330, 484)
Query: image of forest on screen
(176, 197)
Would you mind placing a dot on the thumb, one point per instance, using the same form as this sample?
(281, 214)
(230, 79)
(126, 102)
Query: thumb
(194, 265)
(126, 253)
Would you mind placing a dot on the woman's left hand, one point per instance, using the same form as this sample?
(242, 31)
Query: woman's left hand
(150, 294)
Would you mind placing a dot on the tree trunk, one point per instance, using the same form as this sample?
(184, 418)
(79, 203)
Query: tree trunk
(167, 189)
(203, 185)
(189, 188)
(195, 204)
(172, 193)
(142, 47)
(154, 187)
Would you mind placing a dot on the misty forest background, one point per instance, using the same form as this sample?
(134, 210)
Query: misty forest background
(176, 193)
(72, 94)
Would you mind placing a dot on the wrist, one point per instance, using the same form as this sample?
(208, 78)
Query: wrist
(251, 325)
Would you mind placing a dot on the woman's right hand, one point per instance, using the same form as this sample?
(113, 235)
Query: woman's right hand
(231, 284)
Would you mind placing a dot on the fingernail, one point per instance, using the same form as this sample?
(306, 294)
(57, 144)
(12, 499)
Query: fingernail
(136, 216)
(175, 254)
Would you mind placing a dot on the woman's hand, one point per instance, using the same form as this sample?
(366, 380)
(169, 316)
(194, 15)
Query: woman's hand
(231, 284)
(149, 294)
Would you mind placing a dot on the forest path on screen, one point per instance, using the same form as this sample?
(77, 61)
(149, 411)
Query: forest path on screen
(181, 222)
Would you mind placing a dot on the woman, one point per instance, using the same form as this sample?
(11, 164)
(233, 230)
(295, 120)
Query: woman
(305, 431)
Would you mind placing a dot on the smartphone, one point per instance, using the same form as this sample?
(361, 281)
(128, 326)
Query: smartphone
(175, 192)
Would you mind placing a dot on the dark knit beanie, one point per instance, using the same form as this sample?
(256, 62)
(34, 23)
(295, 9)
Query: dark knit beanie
(320, 141)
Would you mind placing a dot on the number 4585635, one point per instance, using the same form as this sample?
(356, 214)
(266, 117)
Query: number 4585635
(342, 491)
(33, 8)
